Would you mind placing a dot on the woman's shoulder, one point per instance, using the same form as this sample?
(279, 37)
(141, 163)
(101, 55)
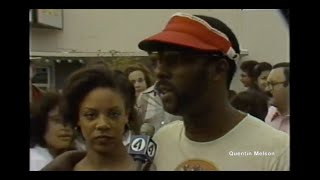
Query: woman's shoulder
(39, 157)
(39, 152)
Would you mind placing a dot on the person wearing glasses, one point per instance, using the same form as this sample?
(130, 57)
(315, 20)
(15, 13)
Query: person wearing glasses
(278, 85)
(196, 59)
(49, 135)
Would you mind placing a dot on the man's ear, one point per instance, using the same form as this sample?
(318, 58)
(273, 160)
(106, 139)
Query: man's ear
(218, 69)
(222, 66)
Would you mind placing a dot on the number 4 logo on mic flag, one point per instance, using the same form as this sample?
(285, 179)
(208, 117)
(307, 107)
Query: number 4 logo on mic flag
(142, 146)
(138, 144)
(151, 151)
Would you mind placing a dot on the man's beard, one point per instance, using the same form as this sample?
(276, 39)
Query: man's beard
(191, 99)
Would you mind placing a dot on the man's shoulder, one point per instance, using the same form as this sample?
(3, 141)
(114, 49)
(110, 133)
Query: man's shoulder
(39, 154)
(265, 134)
(148, 90)
(169, 130)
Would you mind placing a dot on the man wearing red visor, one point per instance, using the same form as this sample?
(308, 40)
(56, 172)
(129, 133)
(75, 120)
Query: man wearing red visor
(195, 64)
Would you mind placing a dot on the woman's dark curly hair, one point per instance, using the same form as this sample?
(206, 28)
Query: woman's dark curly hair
(84, 80)
(39, 117)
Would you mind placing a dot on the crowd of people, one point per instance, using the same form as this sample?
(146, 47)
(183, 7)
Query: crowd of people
(200, 123)
(267, 96)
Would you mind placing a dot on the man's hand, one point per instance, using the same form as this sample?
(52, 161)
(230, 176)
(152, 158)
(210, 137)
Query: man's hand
(65, 162)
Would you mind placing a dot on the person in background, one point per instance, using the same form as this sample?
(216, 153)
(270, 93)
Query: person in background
(252, 102)
(248, 77)
(261, 71)
(278, 85)
(150, 107)
(49, 135)
(134, 121)
(139, 77)
(254, 78)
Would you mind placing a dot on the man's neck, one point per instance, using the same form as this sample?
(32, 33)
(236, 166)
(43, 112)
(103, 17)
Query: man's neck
(212, 123)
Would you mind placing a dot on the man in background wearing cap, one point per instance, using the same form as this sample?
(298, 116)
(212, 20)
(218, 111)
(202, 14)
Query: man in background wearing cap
(195, 64)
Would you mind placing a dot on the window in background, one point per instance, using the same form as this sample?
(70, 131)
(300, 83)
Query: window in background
(42, 77)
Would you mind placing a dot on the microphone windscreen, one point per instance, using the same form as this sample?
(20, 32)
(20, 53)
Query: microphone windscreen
(147, 129)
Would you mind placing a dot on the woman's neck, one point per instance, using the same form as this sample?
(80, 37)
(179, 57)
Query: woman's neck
(116, 160)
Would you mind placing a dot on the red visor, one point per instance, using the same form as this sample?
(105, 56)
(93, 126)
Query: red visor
(190, 31)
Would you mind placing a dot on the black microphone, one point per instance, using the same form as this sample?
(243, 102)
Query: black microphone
(142, 147)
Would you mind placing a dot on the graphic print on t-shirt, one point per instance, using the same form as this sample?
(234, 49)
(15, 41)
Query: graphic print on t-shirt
(196, 165)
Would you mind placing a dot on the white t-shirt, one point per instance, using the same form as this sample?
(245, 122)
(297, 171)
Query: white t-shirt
(39, 157)
(251, 145)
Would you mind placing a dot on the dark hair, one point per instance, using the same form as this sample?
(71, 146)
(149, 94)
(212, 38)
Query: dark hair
(39, 117)
(141, 68)
(282, 64)
(286, 71)
(252, 102)
(84, 80)
(221, 26)
(260, 67)
(248, 67)
(133, 123)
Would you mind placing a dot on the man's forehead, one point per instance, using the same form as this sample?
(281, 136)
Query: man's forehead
(276, 74)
